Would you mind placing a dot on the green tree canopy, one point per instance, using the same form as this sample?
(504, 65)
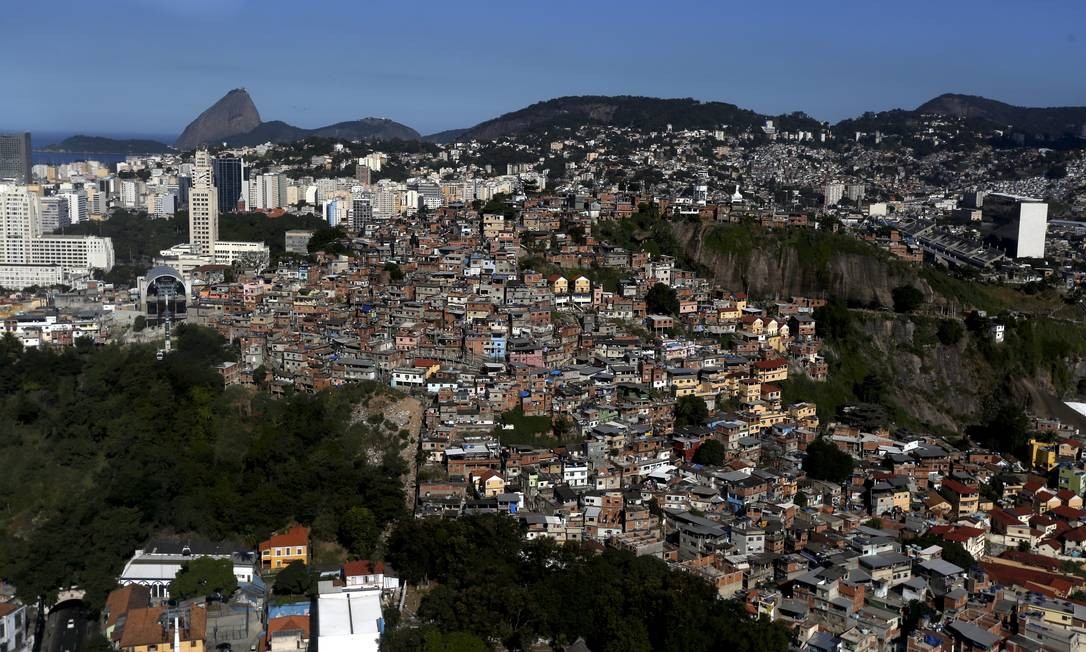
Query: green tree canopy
(662, 300)
(825, 461)
(296, 579)
(953, 551)
(906, 298)
(359, 533)
(509, 592)
(833, 321)
(204, 576)
(950, 331)
(690, 411)
(711, 452)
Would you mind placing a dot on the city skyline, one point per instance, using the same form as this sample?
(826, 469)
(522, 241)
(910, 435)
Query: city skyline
(832, 63)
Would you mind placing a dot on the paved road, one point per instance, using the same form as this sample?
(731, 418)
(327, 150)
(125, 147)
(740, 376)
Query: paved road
(61, 638)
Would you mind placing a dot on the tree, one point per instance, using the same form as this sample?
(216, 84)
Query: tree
(953, 552)
(295, 579)
(825, 461)
(328, 240)
(800, 499)
(202, 577)
(139, 323)
(359, 533)
(950, 331)
(662, 300)
(906, 298)
(690, 411)
(833, 321)
(394, 271)
(711, 452)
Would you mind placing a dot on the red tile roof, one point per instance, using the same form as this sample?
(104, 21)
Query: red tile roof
(959, 487)
(295, 536)
(363, 567)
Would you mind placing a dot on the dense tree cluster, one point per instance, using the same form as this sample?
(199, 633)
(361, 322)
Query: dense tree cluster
(662, 299)
(691, 411)
(825, 461)
(104, 446)
(203, 577)
(907, 298)
(494, 586)
(711, 452)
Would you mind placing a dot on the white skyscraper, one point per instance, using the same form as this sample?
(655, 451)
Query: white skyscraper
(203, 207)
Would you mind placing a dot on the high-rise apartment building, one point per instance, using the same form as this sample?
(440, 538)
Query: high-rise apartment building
(203, 207)
(832, 193)
(54, 213)
(361, 212)
(267, 191)
(15, 155)
(77, 207)
(20, 222)
(230, 181)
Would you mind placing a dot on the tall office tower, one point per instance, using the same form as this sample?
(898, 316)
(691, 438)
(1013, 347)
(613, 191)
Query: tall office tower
(20, 223)
(15, 157)
(832, 193)
(229, 179)
(77, 207)
(54, 213)
(1016, 224)
(203, 207)
(361, 212)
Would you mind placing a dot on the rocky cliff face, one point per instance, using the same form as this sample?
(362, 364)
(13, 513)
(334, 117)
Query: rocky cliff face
(936, 385)
(232, 115)
(782, 272)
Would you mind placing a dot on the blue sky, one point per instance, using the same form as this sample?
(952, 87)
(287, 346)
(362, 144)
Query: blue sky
(150, 66)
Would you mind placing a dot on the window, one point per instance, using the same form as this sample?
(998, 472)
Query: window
(278, 552)
(299, 552)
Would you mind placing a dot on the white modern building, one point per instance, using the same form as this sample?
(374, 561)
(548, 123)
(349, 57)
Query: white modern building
(157, 565)
(348, 616)
(15, 632)
(22, 243)
(1017, 224)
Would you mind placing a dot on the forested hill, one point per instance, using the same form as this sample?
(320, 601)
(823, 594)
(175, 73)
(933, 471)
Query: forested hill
(647, 113)
(104, 446)
(101, 145)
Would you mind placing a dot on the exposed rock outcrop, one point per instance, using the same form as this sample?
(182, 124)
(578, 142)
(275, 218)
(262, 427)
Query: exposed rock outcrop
(232, 115)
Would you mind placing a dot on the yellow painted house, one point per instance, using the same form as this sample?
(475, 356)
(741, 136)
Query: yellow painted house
(282, 549)
(1042, 454)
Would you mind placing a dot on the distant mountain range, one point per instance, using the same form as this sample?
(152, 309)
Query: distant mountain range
(235, 120)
